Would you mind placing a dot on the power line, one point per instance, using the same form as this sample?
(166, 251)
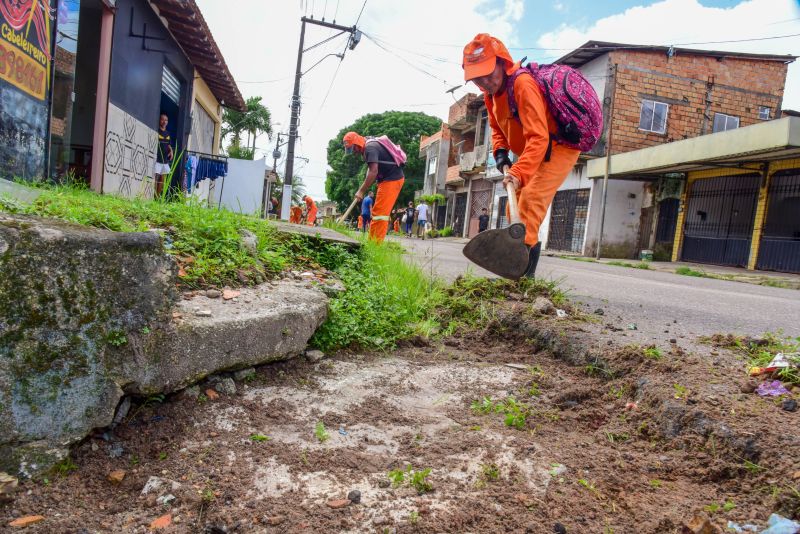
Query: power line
(406, 61)
(336, 11)
(361, 12)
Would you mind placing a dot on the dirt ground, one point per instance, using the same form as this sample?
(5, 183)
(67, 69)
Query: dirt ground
(602, 439)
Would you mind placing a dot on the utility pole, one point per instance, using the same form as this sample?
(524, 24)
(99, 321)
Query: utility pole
(608, 161)
(355, 37)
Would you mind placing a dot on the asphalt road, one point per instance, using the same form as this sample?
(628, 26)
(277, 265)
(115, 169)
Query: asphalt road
(654, 301)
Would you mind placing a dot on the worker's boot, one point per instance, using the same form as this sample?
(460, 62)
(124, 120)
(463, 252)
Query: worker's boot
(533, 260)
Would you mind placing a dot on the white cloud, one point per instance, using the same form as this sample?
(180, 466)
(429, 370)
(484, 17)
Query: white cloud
(559, 6)
(259, 40)
(688, 21)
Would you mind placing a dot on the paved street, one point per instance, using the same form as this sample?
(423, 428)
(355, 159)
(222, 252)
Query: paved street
(652, 300)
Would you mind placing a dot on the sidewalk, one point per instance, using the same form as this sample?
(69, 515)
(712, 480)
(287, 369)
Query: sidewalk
(701, 270)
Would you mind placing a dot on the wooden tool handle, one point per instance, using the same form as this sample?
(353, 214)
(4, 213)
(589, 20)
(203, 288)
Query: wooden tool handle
(512, 200)
(348, 210)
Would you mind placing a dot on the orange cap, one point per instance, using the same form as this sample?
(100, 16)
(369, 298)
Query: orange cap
(480, 56)
(352, 138)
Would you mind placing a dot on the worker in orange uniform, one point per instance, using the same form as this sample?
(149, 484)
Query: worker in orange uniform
(488, 64)
(360, 222)
(295, 214)
(381, 169)
(311, 210)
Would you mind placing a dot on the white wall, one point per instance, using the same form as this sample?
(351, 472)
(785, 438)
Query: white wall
(596, 71)
(621, 230)
(243, 186)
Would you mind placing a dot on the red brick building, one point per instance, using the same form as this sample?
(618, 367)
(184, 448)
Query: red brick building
(658, 95)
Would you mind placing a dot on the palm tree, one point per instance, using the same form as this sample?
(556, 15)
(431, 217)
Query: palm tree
(255, 120)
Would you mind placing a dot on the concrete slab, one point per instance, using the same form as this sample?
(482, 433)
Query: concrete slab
(326, 234)
(18, 191)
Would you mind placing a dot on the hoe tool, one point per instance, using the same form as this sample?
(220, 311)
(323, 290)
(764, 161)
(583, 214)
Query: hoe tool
(502, 251)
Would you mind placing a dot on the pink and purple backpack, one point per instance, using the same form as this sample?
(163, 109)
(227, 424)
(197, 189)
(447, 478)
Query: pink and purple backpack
(571, 99)
(397, 153)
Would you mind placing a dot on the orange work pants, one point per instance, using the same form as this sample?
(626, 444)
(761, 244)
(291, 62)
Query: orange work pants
(536, 195)
(311, 218)
(381, 211)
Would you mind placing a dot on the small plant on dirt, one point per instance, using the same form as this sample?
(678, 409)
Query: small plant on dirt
(64, 467)
(475, 428)
(163, 455)
(728, 506)
(321, 433)
(304, 457)
(688, 271)
(618, 391)
(598, 368)
(752, 467)
(207, 495)
(490, 471)
(590, 486)
(617, 437)
(712, 508)
(680, 391)
(655, 483)
(418, 480)
(145, 330)
(534, 390)
(654, 353)
(483, 406)
(413, 517)
(259, 438)
(398, 476)
(536, 371)
(116, 338)
(202, 398)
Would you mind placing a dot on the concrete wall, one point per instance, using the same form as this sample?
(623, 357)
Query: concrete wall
(621, 230)
(243, 186)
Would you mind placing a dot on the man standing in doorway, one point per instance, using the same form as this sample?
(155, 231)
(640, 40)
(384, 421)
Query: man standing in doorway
(422, 218)
(382, 169)
(366, 211)
(163, 155)
(483, 221)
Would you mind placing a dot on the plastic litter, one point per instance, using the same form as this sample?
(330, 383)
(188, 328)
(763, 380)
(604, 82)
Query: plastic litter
(772, 388)
(777, 524)
(633, 326)
(561, 313)
(780, 361)
(342, 431)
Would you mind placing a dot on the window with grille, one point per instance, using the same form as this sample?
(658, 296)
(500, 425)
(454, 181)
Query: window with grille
(653, 117)
(764, 113)
(724, 122)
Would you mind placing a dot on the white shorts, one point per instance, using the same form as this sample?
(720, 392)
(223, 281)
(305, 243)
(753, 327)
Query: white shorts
(161, 168)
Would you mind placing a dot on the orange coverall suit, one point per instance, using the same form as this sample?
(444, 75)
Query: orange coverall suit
(528, 137)
(311, 211)
(382, 209)
(295, 213)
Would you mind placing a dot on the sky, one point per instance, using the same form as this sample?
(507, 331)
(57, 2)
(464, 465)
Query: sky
(410, 54)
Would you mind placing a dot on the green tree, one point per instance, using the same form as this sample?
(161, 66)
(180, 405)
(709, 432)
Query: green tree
(402, 127)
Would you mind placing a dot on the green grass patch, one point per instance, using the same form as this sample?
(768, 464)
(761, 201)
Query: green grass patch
(640, 265)
(688, 271)
(206, 242)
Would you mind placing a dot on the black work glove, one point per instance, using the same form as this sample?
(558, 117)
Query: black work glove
(502, 159)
